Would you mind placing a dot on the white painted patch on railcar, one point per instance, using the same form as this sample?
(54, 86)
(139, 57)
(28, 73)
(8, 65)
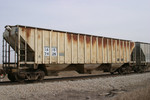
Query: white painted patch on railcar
(46, 51)
(54, 51)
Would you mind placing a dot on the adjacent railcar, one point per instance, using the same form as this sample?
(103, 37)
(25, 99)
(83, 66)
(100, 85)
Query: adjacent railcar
(141, 56)
(39, 52)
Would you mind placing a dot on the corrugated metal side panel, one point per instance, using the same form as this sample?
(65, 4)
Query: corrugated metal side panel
(28, 35)
(149, 53)
(46, 44)
(100, 51)
(109, 51)
(121, 51)
(117, 51)
(39, 46)
(81, 49)
(114, 51)
(146, 50)
(88, 49)
(105, 50)
(68, 48)
(75, 48)
(128, 55)
(94, 53)
(143, 50)
(54, 45)
(148, 59)
(59, 47)
(132, 51)
(125, 51)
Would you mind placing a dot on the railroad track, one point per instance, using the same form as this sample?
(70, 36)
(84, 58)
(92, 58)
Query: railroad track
(74, 78)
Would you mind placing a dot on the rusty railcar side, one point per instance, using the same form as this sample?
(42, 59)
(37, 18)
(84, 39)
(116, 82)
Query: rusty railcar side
(55, 50)
(73, 48)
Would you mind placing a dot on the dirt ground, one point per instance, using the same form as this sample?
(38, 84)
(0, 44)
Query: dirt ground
(140, 93)
(137, 92)
(134, 87)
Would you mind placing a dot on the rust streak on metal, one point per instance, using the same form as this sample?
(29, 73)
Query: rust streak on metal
(121, 44)
(88, 39)
(74, 37)
(28, 32)
(38, 36)
(81, 38)
(132, 45)
(114, 43)
(105, 42)
(39, 31)
(99, 42)
(23, 29)
(118, 43)
(125, 45)
(69, 37)
(109, 43)
(128, 44)
(93, 40)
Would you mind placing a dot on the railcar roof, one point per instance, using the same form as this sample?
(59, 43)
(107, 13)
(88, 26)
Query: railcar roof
(142, 42)
(64, 31)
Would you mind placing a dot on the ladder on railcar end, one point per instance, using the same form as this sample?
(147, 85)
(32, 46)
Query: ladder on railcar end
(23, 52)
(2, 72)
(6, 57)
(6, 54)
(3, 54)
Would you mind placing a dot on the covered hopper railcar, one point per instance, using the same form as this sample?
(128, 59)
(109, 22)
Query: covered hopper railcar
(39, 52)
(141, 56)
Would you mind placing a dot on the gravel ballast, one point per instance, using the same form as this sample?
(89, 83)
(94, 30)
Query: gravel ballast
(100, 88)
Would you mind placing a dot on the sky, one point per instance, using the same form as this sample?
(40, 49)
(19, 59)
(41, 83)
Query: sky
(123, 19)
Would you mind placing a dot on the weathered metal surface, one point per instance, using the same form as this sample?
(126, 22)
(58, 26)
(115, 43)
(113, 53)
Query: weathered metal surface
(75, 48)
(114, 51)
(58, 47)
(145, 52)
(81, 49)
(100, 50)
(94, 53)
(88, 49)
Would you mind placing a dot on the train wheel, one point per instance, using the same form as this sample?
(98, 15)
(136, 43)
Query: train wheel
(119, 71)
(122, 70)
(11, 77)
(138, 69)
(19, 78)
(41, 75)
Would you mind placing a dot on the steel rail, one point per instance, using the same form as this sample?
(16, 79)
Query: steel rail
(74, 78)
